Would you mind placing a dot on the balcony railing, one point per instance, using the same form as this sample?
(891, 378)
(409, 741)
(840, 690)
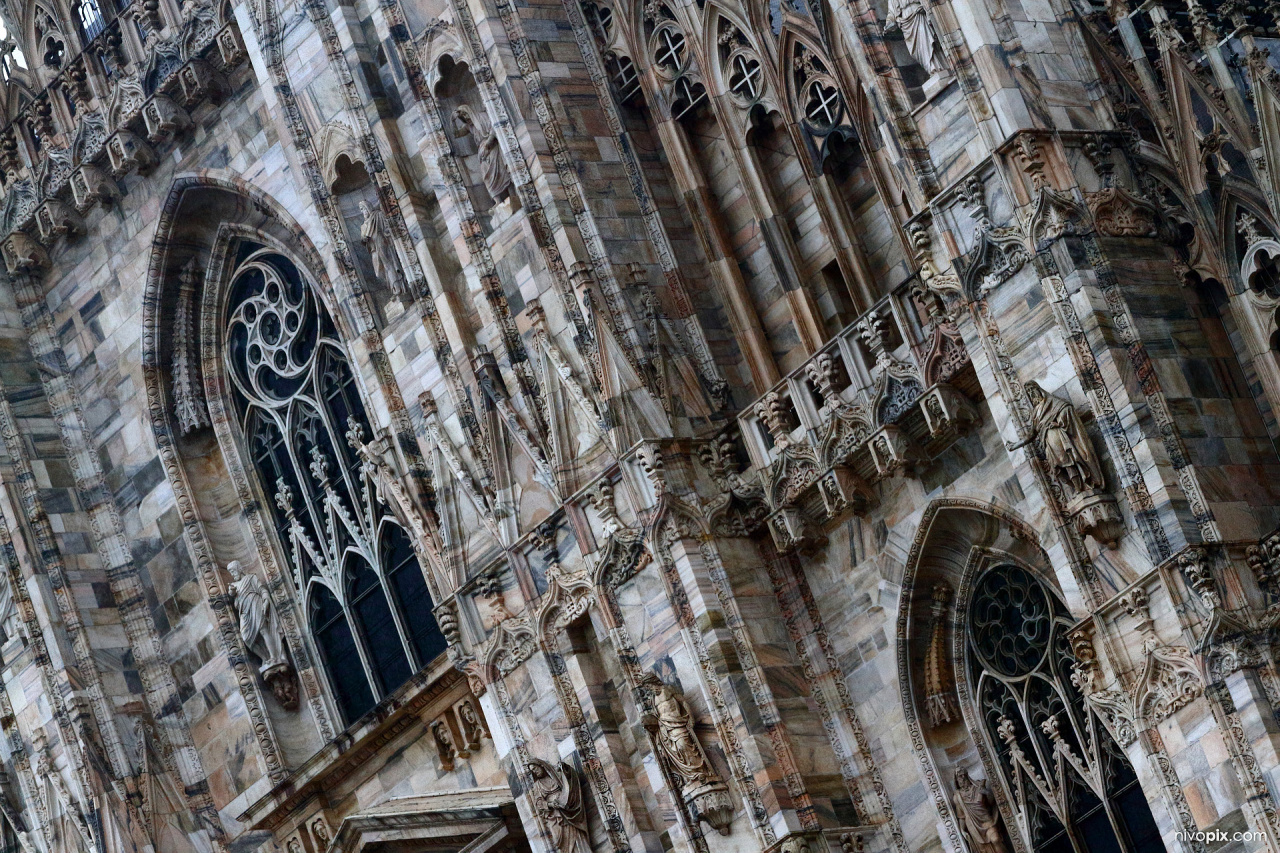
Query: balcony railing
(881, 399)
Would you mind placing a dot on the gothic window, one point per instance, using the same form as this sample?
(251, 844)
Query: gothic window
(91, 21)
(1073, 789)
(669, 48)
(1259, 252)
(600, 19)
(823, 106)
(686, 95)
(52, 45)
(366, 598)
(745, 77)
(622, 73)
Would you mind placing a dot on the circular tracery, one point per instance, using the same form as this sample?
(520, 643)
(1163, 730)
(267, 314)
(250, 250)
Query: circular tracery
(271, 330)
(1011, 621)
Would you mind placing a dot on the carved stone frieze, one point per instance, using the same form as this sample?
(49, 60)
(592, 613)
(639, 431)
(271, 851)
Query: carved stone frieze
(939, 698)
(1117, 212)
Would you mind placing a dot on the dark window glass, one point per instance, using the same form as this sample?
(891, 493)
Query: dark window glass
(333, 635)
(411, 592)
(382, 640)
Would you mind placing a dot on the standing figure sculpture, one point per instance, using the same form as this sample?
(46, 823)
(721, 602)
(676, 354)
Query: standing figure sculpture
(259, 628)
(911, 19)
(261, 634)
(557, 797)
(375, 235)
(1066, 445)
(671, 725)
(977, 815)
(493, 169)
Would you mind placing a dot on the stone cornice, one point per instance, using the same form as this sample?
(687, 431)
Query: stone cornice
(358, 746)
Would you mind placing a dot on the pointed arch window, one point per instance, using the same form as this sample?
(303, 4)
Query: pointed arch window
(366, 599)
(92, 23)
(1073, 789)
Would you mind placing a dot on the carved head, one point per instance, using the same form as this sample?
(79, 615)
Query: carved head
(463, 122)
(234, 568)
(1034, 392)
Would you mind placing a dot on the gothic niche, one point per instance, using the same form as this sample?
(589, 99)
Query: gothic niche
(376, 248)
(260, 633)
(1002, 668)
(1072, 465)
(915, 47)
(671, 724)
(474, 140)
(1067, 784)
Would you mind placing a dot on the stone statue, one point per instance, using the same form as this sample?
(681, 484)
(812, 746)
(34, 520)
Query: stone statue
(977, 814)
(557, 797)
(320, 831)
(493, 169)
(259, 627)
(472, 727)
(375, 235)
(444, 744)
(1067, 448)
(909, 17)
(260, 631)
(671, 724)
(676, 736)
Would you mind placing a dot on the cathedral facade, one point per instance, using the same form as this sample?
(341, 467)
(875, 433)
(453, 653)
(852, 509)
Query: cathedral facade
(632, 426)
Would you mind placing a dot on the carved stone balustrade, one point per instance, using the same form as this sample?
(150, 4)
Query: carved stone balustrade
(880, 400)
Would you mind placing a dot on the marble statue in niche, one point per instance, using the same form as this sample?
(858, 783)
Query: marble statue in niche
(671, 725)
(444, 744)
(1066, 445)
(911, 19)
(976, 812)
(1073, 465)
(261, 634)
(320, 831)
(468, 124)
(375, 235)
(473, 730)
(557, 797)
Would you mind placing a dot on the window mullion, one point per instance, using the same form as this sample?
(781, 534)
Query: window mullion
(397, 617)
(319, 526)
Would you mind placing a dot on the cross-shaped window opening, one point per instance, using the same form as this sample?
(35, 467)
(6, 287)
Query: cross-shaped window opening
(625, 77)
(824, 104)
(688, 96)
(670, 47)
(601, 18)
(745, 79)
